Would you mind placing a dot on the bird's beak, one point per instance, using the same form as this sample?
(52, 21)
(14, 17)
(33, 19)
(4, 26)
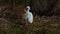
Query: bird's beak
(26, 8)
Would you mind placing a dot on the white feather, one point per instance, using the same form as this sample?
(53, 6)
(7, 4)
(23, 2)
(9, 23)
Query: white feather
(28, 15)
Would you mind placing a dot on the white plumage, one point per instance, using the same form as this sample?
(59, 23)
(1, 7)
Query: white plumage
(28, 15)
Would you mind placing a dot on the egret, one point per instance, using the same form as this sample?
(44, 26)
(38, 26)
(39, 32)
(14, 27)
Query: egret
(28, 15)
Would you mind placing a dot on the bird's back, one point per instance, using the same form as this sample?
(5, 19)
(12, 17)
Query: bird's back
(30, 17)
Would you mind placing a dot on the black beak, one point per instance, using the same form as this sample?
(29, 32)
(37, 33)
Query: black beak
(26, 8)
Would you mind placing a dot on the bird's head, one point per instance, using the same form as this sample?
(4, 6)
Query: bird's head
(28, 7)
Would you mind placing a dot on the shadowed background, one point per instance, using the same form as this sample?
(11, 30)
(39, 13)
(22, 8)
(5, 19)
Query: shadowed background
(46, 17)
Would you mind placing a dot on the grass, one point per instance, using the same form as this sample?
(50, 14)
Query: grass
(40, 25)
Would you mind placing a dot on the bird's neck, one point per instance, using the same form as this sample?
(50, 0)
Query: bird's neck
(28, 10)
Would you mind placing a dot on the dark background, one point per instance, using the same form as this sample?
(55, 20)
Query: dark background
(46, 17)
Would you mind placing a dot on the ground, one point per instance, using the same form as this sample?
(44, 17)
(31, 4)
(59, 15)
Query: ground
(40, 25)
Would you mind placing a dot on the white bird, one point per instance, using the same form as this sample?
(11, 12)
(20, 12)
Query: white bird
(28, 15)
